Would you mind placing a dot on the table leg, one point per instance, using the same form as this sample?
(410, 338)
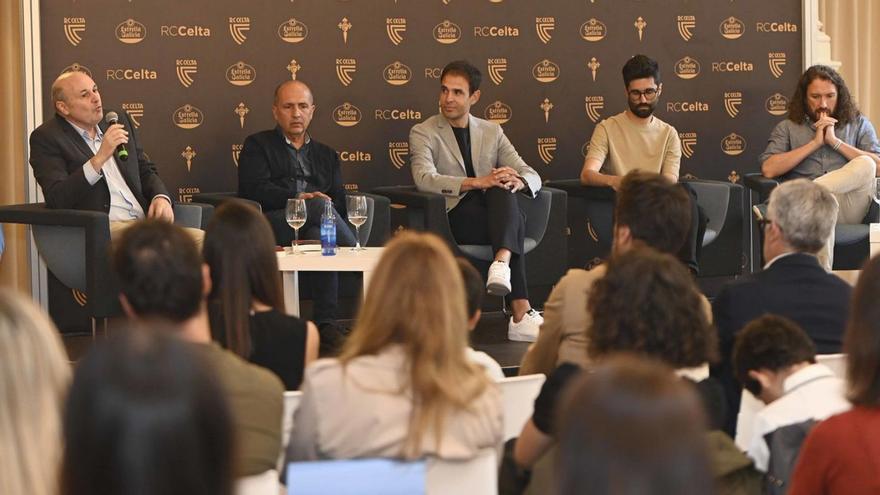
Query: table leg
(290, 287)
(366, 281)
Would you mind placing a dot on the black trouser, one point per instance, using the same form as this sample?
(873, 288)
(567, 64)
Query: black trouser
(690, 251)
(493, 217)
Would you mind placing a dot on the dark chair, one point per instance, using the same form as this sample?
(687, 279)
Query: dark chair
(75, 245)
(851, 241)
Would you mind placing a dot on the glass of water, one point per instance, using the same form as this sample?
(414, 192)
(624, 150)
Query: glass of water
(357, 215)
(296, 213)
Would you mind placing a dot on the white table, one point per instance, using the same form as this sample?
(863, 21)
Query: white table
(345, 260)
(874, 238)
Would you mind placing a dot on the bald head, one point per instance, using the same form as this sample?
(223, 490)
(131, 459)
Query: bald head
(293, 109)
(76, 98)
(288, 85)
(64, 81)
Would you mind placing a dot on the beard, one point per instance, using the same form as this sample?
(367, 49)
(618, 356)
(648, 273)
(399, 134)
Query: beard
(817, 114)
(642, 110)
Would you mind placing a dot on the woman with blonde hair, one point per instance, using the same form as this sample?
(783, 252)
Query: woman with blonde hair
(34, 376)
(403, 386)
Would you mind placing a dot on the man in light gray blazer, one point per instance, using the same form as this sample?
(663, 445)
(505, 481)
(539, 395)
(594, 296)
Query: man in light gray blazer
(471, 162)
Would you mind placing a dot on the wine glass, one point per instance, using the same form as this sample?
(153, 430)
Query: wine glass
(295, 213)
(357, 215)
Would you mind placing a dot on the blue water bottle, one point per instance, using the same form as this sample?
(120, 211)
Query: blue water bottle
(328, 229)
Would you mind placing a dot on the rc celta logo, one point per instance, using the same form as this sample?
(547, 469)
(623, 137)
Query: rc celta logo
(776, 27)
(345, 69)
(241, 74)
(496, 31)
(238, 28)
(236, 152)
(732, 102)
(687, 68)
(546, 149)
(498, 112)
(395, 27)
(686, 25)
(733, 144)
(188, 117)
(776, 60)
(135, 112)
(545, 71)
(186, 69)
(594, 105)
(497, 67)
(398, 151)
(174, 31)
(128, 74)
(347, 115)
(688, 143)
(687, 106)
(593, 30)
(396, 73)
(74, 27)
(355, 156)
(447, 32)
(544, 27)
(731, 66)
(397, 114)
(131, 31)
(293, 31)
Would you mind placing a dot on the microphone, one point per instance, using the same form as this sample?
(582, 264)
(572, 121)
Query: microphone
(112, 118)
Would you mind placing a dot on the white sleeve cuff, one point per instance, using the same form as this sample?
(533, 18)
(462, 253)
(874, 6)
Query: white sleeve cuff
(91, 176)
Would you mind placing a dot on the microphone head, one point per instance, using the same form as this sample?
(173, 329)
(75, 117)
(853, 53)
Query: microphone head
(111, 118)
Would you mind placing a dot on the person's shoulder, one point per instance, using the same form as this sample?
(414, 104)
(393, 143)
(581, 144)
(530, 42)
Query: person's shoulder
(50, 126)
(322, 148)
(428, 124)
(262, 138)
(578, 277)
(662, 126)
(257, 377)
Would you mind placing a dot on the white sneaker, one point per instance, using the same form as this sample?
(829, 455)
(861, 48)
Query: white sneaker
(498, 281)
(525, 330)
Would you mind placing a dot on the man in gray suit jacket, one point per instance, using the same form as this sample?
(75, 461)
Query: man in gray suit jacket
(473, 164)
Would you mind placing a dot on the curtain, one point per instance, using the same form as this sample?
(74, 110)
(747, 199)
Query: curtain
(855, 42)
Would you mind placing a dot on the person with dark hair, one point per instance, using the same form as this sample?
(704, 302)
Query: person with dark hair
(826, 139)
(146, 415)
(472, 163)
(246, 306)
(631, 427)
(840, 456)
(649, 211)
(284, 163)
(473, 290)
(161, 277)
(776, 361)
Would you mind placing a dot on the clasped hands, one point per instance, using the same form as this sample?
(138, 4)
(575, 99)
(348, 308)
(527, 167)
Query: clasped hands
(503, 177)
(825, 130)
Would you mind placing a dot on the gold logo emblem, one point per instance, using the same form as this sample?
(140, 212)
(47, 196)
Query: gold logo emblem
(398, 151)
(345, 69)
(74, 27)
(241, 110)
(238, 28)
(236, 152)
(131, 31)
(687, 106)
(188, 117)
(732, 28)
(546, 149)
(593, 30)
(777, 104)
(347, 115)
(240, 74)
(498, 112)
(544, 27)
(394, 28)
(776, 27)
(397, 74)
(545, 71)
(777, 61)
(188, 155)
(686, 25)
(293, 67)
(80, 297)
(640, 25)
(293, 31)
(496, 31)
(594, 105)
(727, 66)
(355, 156)
(733, 177)
(733, 144)
(344, 26)
(185, 194)
(732, 101)
(687, 68)
(447, 32)
(546, 106)
(77, 67)
(186, 70)
(174, 31)
(497, 68)
(135, 111)
(688, 143)
(593, 65)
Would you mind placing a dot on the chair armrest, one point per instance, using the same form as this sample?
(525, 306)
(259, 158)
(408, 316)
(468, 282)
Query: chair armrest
(430, 209)
(760, 184)
(873, 215)
(575, 189)
(192, 215)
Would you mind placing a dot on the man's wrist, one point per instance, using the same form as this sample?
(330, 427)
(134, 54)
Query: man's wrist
(837, 144)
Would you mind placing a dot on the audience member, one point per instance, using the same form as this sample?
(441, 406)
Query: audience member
(162, 277)
(631, 427)
(146, 415)
(842, 454)
(473, 290)
(776, 361)
(403, 386)
(793, 284)
(34, 376)
(246, 306)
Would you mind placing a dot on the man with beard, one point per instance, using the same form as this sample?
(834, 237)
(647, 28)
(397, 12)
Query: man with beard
(826, 139)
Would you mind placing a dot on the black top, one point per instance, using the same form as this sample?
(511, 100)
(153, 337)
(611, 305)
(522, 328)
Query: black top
(278, 343)
(463, 137)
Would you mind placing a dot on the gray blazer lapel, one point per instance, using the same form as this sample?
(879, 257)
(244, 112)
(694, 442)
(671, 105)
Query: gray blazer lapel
(448, 137)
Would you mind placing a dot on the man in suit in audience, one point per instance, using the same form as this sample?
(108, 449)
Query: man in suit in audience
(800, 217)
(162, 276)
(285, 162)
(471, 162)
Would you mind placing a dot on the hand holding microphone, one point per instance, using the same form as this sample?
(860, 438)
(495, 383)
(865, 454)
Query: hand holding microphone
(113, 119)
(115, 138)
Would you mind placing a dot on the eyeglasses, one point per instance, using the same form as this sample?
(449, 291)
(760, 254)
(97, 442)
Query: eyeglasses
(649, 94)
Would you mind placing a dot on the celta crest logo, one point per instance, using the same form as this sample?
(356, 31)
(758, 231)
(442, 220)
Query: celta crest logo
(688, 143)
(593, 65)
(293, 67)
(345, 69)
(640, 24)
(135, 112)
(498, 112)
(347, 115)
(447, 32)
(186, 70)
(74, 27)
(398, 152)
(733, 177)
(188, 117)
(593, 30)
(396, 73)
(236, 152)
(241, 110)
(545, 71)
(546, 106)
(777, 61)
(687, 68)
(344, 25)
(732, 102)
(776, 104)
(686, 25)
(732, 28)
(77, 67)
(241, 74)
(293, 31)
(544, 27)
(131, 31)
(188, 155)
(546, 149)
(733, 144)
(594, 105)
(238, 28)
(395, 27)
(497, 68)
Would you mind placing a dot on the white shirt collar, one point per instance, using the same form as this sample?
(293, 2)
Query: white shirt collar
(804, 375)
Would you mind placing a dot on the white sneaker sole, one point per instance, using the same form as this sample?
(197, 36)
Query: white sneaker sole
(520, 338)
(497, 289)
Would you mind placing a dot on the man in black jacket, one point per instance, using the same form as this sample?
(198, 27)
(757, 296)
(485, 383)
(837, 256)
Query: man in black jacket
(284, 163)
